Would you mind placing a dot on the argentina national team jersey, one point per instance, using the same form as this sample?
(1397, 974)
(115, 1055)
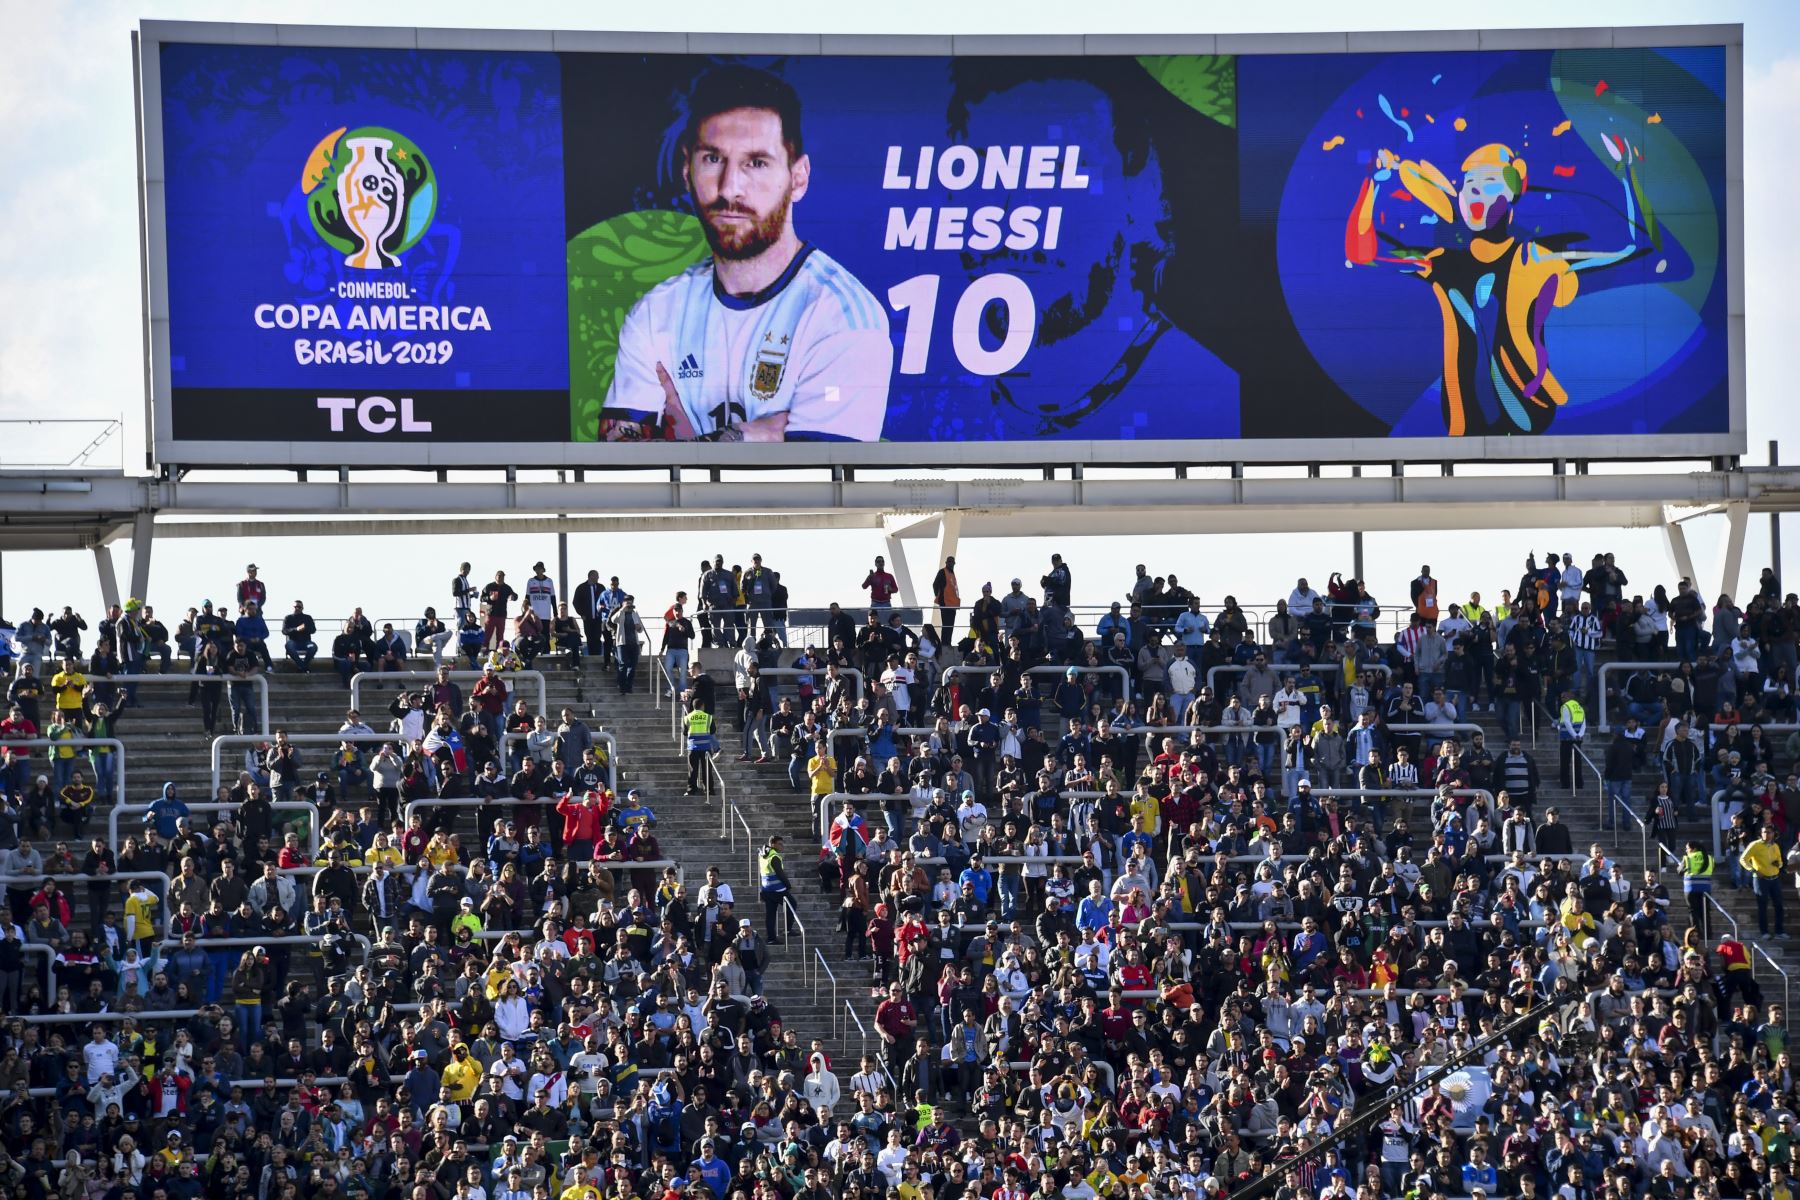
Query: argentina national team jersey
(813, 345)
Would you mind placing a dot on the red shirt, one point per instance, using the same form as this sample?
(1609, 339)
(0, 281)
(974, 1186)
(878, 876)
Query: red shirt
(897, 1018)
(582, 821)
(1733, 955)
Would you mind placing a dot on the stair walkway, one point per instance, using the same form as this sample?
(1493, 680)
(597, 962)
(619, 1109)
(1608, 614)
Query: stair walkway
(167, 743)
(1626, 839)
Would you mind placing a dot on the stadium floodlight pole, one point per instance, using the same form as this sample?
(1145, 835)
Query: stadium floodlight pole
(1362, 1122)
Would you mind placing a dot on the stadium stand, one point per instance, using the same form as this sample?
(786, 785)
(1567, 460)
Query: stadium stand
(1014, 900)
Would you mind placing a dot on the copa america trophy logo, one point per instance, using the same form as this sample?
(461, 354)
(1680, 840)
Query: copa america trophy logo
(371, 194)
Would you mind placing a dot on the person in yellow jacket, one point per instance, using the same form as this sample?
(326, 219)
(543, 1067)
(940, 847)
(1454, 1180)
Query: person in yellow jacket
(821, 769)
(77, 801)
(140, 912)
(466, 919)
(462, 1075)
(1764, 860)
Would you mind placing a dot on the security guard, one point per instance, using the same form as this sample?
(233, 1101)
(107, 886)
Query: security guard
(1571, 729)
(698, 725)
(1696, 884)
(775, 888)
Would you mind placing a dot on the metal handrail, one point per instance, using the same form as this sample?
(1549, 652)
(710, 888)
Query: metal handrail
(1600, 682)
(862, 682)
(749, 841)
(112, 818)
(261, 682)
(1046, 669)
(84, 877)
(822, 965)
(291, 939)
(1213, 673)
(393, 737)
(794, 922)
(1786, 979)
(117, 747)
(512, 677)
(862, 1030)
(1672, 861)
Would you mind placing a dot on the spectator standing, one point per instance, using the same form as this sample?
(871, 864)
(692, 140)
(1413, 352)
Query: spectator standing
(495, 598)
(880, 585)
(947, 595)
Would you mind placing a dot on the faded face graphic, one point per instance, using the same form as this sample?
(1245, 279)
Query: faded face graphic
(1486, 198)
(742, 184)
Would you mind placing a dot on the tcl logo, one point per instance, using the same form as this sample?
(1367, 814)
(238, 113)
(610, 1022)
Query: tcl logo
(376, 414)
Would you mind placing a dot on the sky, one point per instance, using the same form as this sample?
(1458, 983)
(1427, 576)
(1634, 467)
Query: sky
(70, 344)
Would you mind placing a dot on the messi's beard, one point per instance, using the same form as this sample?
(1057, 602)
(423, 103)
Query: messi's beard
(740, 242)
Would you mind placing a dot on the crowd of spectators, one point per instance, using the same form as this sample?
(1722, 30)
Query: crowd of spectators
(1121, 939)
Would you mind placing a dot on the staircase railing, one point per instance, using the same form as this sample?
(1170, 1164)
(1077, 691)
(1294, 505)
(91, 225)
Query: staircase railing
(821, 965)
(862, 1031)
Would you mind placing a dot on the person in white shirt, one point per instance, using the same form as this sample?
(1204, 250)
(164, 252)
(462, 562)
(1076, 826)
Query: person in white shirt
(971, 817)
(509, 1068)
(1744, 658)
(540, 594)
(1572, 579)
(100, 1055)
(898, 680)
(1290, 704)
(1183, 678)
(1300, 600)
(768, 339)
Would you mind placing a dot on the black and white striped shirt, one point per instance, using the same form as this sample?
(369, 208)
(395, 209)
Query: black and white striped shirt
(1584, 631)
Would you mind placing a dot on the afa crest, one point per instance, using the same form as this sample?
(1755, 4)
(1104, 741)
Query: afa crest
(771, 365)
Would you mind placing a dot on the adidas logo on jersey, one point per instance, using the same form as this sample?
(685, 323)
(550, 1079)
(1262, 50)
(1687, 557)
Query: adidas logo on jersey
(689, 368)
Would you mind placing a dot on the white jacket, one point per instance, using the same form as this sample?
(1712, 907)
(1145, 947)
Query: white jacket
(821, 1086)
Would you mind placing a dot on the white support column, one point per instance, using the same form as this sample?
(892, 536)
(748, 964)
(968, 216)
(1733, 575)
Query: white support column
(896, 549)
(109, 583)
(1678, 550)
(949, 532)
(1737, 520)
(143, 530)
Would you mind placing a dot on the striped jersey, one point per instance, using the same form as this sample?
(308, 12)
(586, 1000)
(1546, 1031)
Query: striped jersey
(1584, 631)
(540, 596)
(813, 344)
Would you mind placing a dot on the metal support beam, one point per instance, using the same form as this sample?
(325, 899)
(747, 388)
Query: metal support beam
(1737, 521)
(896, 554)
(143, 531)
(949, 533)
(1775, 517)
(1678, 550)
(109, 583)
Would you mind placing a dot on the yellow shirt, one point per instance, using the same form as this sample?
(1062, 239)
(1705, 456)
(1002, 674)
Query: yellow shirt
(823, 773)
(140, 915)
(390, 856)
(582, 1191)
(1762, 857)
(439, 853)
(1150, 809)
(68, 686)
(468, 921)
(462, 1077)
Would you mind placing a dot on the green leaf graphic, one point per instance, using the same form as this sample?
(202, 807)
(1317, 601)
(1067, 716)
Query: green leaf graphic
(611, 266)
(1206, 83)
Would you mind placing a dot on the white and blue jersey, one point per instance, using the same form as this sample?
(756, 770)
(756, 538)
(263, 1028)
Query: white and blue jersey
(813, 344)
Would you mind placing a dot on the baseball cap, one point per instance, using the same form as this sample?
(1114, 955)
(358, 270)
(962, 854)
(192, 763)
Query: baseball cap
(745, 924)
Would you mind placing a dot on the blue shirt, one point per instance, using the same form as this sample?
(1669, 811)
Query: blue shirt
(1093, 914)
(716, 1175)
(982, 880)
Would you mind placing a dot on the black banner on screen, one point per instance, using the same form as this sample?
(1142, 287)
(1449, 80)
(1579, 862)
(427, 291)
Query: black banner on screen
(298, 414)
